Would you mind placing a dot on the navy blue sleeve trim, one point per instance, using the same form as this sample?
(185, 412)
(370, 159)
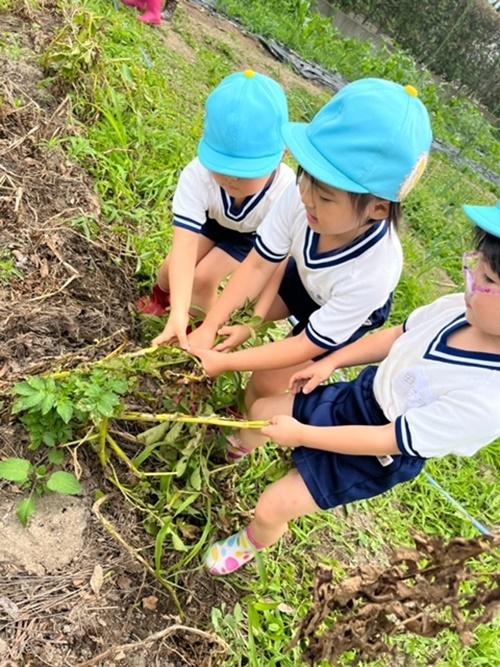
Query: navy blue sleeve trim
(403, 437)
(188, 226)
(266, 253)
(318, 339)
(405, 325)
(187, 221)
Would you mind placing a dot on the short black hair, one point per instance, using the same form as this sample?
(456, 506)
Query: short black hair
(489, 246)
(360, 201)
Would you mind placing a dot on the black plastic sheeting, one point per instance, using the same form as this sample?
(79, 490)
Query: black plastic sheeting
(333, 81)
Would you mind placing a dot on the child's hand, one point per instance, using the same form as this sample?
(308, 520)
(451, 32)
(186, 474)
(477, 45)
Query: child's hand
(309, 378)
(284, 431)
(203, 337)
(236, 335)
(175, 329)
(214, 363)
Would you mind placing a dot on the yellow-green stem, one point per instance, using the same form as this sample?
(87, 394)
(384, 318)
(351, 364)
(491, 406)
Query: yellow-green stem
(212, 420)
(103, 432)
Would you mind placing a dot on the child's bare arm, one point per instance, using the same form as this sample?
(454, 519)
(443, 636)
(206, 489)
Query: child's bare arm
(237, 334)
(369, 349)
(280, 354)
(182, 263)
(358, 440)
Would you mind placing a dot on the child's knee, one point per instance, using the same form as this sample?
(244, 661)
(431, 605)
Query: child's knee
(204, 282)
(262, 384)
(259, 409)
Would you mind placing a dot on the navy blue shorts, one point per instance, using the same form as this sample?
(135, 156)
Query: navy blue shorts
(337, 479)
(236, 244)
(302, 306)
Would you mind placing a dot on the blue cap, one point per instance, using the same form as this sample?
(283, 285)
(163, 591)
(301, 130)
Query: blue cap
(374, 136)
(485, 217)
(242, 134)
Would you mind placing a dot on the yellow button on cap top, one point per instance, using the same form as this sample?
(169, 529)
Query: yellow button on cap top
(249, 73)
(411, 90)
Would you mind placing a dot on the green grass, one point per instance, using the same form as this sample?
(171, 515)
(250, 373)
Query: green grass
(456, 120)
(139, 105)
(8, 268)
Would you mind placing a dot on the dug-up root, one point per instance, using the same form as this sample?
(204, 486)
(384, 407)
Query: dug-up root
(411, 595)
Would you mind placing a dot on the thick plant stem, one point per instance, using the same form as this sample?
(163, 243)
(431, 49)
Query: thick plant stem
(212, 420)
(116, 354)
(103, 433)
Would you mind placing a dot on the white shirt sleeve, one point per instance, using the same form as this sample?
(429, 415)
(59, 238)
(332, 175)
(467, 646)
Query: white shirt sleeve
(439, 308)
(345, 312)
(190, 202)
(275, 233)
(460, 422)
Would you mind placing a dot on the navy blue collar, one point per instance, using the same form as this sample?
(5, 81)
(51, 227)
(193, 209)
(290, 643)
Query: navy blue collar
(319, 260)
(439, 350)
(239, 213)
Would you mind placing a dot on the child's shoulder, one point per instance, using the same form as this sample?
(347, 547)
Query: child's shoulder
(442, 309)
(197, 172)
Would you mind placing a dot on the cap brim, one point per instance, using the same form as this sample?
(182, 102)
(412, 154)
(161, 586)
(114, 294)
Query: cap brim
(237, 166)
(485, 217)
(311, 160)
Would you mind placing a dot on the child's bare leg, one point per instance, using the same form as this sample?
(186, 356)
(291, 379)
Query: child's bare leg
(265, 408)
(210, 272)
(285, 500)
(270, 383)
(205, 245)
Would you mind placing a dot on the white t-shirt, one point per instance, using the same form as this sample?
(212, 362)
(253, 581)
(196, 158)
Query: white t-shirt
(443, 400)
(198, 196)
(348, 284)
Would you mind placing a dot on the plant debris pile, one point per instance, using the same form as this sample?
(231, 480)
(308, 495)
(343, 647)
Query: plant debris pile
(61, 285)
(411, 595)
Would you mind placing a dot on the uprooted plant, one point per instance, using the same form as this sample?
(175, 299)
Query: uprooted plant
(164, 472)
(424, 591)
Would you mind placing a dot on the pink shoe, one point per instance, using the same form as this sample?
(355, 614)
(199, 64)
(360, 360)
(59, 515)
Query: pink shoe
(138, 4)
(155, 304)
(235, 450)
(153, 13)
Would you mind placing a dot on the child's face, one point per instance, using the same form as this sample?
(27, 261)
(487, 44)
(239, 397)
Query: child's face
(330, 211)
(239, 188)
(482, 296)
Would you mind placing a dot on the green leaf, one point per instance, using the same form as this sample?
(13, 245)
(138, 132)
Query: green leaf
(36, 382)
(106, 404)
(195, 479)
(47, 403)
(15, 470)
(24, 389)
(65, 410)
(177, 543)
(30, 401)
(25, 510)
(56, 456)
(64, 482)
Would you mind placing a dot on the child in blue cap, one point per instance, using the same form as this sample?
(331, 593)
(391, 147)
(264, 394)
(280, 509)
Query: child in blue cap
(222, 196)
(359, 157)
(436, 392)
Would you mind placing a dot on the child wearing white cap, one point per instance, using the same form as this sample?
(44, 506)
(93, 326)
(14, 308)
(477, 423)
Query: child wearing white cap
(222, 197)
(358, 157)
(436, 392)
